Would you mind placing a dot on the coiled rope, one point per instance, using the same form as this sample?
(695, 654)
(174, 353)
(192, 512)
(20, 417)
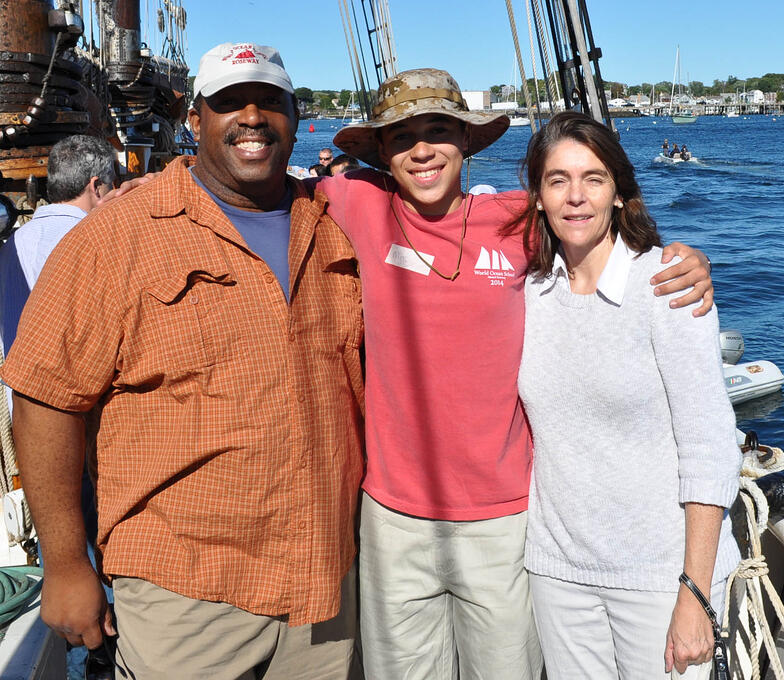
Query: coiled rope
(750, 577)
(18, 587)
(9, 470)
(23, 204)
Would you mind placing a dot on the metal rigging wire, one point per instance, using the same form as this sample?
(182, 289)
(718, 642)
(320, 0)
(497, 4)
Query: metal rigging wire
(364, 100)
(533, 64)
(548, 70)
(540, 40)
(386, 39)
(352, 54)
(380, 46)
(520, 66)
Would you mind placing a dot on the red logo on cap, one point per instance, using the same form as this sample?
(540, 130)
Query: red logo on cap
(244, 54)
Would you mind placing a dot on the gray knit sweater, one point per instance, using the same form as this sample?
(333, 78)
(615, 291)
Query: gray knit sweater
(630, 419)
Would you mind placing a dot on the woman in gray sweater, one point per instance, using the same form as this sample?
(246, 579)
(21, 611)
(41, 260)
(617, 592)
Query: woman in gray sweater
(634, 436)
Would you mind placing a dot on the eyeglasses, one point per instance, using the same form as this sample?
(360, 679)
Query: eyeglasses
(325, 158)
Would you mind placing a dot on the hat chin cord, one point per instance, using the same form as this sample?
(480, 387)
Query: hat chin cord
(462, 231)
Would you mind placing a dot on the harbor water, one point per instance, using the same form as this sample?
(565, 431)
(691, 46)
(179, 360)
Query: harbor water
(730, 204)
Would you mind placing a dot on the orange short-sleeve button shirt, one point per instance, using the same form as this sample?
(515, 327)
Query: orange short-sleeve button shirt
(229, 444)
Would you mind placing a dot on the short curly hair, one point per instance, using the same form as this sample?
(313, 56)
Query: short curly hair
(73, 161)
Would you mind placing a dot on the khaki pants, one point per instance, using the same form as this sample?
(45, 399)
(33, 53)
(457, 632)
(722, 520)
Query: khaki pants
(163, 635)
(441, 600)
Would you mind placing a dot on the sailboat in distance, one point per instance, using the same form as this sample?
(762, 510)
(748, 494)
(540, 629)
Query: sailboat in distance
(515, 119)
(681, 116)
(352, 108)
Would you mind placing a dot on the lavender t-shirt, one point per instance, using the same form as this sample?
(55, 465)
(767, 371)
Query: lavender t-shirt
(266, 233)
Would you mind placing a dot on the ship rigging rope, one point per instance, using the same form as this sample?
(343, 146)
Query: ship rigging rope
(354, 56)
(55, 54)
(533, 56)
(361, 64)
(521, 68)
(6, 443)
(344, 17)
(8, 457)
(10, 469)
(18, 587)
(751, 576)
(546, 66)
(387, 39)
(559, 33)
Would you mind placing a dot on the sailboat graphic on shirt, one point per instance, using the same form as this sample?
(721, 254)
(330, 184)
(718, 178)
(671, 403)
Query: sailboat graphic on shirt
(494, 265)
(493, 260)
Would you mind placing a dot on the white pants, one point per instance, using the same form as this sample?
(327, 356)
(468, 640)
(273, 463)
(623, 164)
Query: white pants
(607, 633)
(433, 592)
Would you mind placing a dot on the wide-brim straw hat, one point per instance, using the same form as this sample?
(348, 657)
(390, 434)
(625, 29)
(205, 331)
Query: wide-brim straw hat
(413, 93)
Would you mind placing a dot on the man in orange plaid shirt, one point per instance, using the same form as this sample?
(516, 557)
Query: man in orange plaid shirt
(210, 324)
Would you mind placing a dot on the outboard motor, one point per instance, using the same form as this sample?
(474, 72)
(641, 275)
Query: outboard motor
(732, 346)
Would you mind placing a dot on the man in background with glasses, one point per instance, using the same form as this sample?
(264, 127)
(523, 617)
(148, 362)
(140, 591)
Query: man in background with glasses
(325, 156)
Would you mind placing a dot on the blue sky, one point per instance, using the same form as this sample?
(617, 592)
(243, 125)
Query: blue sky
(472, 40)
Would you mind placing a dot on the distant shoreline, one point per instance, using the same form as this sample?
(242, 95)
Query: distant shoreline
(631, 113)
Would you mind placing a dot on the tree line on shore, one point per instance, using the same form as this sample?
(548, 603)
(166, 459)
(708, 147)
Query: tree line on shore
(332, 100)
(770, 82)
(335, 101)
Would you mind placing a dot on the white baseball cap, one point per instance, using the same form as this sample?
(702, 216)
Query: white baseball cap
(232, 63)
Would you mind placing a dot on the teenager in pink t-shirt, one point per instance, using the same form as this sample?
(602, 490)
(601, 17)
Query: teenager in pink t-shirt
(443, 513)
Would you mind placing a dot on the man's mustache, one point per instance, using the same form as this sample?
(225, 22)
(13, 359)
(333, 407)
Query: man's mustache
(240, 135)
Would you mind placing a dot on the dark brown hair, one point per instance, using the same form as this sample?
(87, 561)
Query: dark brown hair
(633, 222)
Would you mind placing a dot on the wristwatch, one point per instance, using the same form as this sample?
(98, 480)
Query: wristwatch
(710, 265)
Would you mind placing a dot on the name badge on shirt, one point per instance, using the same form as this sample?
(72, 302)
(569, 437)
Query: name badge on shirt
(406, 258)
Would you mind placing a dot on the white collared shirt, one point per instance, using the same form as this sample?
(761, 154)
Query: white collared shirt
(612, 282)
(36, 240)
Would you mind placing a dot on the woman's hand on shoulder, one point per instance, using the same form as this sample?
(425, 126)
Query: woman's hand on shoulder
(692, 272)
(690, 636)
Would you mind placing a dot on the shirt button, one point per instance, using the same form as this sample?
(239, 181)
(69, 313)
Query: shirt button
(303, 463)
(193, 298)
(268, 277)
(292, 337)
(303, 524)
(300, 398)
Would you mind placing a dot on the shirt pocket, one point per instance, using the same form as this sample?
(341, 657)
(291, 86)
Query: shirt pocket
(179, 308)
(342, 273)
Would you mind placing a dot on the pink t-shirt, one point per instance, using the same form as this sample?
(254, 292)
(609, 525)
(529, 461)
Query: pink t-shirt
(446, 434)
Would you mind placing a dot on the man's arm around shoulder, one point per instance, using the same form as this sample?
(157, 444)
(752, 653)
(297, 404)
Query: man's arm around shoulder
(50, 453)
